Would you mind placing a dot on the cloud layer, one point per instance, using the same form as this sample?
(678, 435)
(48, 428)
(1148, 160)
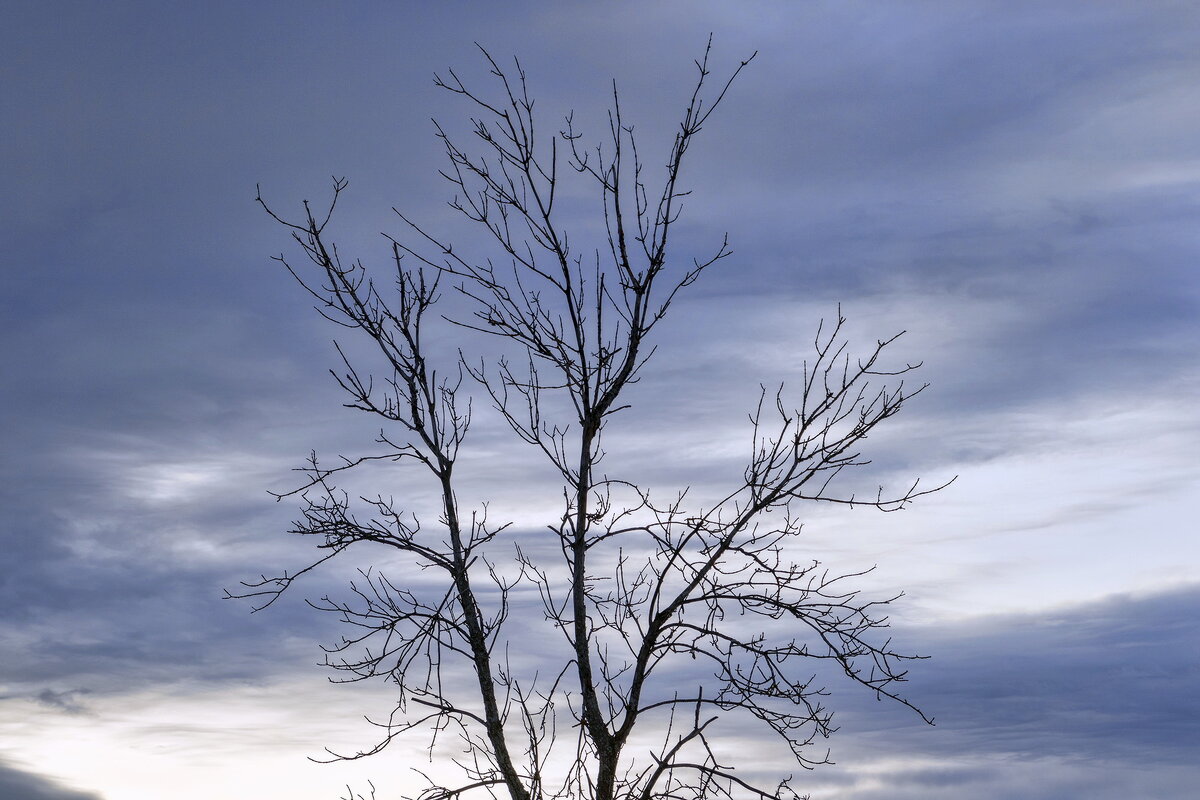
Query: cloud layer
(1013, 185)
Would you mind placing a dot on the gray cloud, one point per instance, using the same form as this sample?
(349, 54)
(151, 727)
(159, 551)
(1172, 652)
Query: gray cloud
(18, 784)
(992, 779)
(64, 701)
(1119, 675)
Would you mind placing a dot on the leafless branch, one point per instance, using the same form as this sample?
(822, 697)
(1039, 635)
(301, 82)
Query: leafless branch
(636, 589)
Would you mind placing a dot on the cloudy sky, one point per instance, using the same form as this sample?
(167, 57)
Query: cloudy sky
(1017, 185)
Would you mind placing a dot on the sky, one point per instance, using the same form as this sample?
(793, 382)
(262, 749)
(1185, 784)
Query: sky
(1016, 185)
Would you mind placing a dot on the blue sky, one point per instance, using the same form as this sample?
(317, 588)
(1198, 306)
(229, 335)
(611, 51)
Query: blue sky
(1014, 184)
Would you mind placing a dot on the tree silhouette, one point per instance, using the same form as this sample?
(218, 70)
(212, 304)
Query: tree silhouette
(678, 624)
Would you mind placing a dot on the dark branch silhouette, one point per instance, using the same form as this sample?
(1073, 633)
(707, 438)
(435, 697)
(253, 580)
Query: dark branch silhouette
(640, 591)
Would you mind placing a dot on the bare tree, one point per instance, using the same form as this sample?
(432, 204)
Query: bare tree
(653, 600)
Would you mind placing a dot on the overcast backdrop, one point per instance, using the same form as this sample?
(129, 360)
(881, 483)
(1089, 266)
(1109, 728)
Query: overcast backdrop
(1015, 184)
